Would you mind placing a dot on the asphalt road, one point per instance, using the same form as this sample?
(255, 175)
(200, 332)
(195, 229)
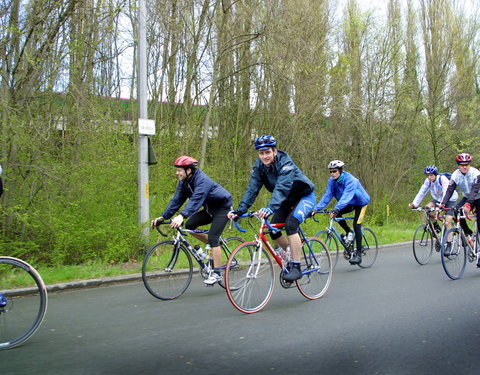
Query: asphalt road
(395, 318)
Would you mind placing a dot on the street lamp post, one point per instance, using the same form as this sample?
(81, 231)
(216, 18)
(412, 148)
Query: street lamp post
(143, 188)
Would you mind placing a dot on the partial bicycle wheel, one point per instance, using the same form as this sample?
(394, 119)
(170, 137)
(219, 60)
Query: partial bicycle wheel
(317, 269)
(229, 244)
(250, 283)
(23, 301)
(423, 243)
(332, 244)
(454, 256)
(167, 270)
(369, 248)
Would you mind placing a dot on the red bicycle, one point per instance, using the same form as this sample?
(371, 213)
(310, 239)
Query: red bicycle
(250, 275)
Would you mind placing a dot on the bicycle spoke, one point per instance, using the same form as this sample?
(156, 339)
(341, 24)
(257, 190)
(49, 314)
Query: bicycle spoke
(423, 244)
(317, 269)
(167, 270)
(249, 284)
(23, 302)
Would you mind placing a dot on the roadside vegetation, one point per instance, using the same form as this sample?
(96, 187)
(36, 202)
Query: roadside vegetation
(386, 92)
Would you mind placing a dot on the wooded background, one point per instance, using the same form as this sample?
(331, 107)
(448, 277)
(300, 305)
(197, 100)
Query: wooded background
(388, 93)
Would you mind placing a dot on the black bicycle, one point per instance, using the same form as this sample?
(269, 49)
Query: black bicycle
(333, 240)
(167, 269)
(23, 301)
(457, 247)
(427, 236)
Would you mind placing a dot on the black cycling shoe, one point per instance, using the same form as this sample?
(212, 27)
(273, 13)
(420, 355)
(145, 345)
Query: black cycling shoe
(356, 258)
(437, 227)
(294, 274)
(448, 249)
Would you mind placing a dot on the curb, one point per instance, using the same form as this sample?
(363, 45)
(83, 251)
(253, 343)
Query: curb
(90, 283)
(103, 281)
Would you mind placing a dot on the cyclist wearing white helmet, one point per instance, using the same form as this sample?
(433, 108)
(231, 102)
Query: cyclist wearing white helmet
(437, 184)
(292, 197)
(350, 196)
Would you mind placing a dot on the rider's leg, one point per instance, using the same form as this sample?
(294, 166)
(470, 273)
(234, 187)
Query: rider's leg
(196, 220)
(299, 213)
(219, 221)
(357, 227)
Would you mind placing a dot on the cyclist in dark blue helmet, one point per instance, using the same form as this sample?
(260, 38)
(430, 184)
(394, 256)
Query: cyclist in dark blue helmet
(292, 197)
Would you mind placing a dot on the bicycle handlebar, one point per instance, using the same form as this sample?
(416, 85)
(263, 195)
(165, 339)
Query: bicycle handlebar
(254, 214)
(157, 227)
(337, 219)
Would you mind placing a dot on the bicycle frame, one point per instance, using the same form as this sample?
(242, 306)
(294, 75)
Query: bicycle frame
(331, 229)
(261, 239)
(179, 238)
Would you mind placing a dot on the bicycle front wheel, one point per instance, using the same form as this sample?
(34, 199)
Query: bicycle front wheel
(369, 248)
(316, 268)
(249, 278)
(423, 244)
(454, 257)
(23, 301)
(332, 244)
(167, 270)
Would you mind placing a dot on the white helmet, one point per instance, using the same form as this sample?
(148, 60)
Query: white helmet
(336, 164)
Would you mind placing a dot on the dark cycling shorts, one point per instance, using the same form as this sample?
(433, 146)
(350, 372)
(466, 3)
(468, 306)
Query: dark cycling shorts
(294, 213)
(218, 218)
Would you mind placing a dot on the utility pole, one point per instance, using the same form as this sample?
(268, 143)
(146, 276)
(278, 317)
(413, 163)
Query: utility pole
(144, 125)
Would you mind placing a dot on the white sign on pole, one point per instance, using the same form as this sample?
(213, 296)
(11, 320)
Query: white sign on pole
(146, 127)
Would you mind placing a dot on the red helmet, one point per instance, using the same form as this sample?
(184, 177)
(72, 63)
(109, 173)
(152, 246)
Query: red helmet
(463, 158)
(185, 161)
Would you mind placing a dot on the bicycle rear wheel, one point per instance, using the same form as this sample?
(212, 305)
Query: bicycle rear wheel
(423, 244)
(332, 244)
(317, 269)
(250, 283)
(167, 270)
(455, 259)
(369, 248)
(23, 301)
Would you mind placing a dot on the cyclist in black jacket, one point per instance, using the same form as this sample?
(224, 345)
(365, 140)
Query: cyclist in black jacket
(201, 190)
(292, 199)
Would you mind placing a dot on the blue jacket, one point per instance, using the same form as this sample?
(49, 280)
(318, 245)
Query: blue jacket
(202, 191)
(347, 190)
(282, 178)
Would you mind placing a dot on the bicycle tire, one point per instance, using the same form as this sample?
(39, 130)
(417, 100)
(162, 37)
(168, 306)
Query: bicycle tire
(454, 263)
(369, 249)
(232, 243)
(250, 283)
(317, 269)
(422, 244)
(332, 244)
(167, 270)
(23, 308)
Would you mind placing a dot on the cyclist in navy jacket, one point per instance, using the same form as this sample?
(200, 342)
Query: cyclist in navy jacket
(201, 190)
(292, 197)
(350, 196)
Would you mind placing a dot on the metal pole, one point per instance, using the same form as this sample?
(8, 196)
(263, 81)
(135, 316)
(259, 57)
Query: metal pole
(143, 195)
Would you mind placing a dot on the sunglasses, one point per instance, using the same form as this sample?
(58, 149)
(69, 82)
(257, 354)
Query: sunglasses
(333, 170)
(463, 165)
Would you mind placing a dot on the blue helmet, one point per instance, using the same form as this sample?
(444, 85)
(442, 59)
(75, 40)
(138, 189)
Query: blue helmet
(430, 169)
(265, 141)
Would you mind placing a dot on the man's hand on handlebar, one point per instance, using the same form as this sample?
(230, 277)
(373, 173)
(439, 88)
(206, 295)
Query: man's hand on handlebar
(156, 222)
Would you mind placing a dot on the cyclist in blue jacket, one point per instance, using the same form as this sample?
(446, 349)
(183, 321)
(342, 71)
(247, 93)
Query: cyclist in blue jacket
(350, 196)
(292, 197)
(201, 190)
